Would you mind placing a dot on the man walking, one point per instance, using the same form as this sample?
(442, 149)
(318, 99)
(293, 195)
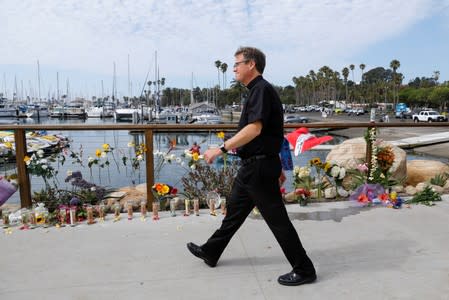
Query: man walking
(258, 142)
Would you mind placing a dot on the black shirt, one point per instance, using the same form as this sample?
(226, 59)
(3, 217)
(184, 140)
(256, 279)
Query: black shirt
(262, 104)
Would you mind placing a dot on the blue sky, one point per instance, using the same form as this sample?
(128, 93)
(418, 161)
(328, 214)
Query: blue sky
(81, 39)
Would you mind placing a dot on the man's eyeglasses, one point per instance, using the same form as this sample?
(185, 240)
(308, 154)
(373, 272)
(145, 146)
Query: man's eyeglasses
(240, 62)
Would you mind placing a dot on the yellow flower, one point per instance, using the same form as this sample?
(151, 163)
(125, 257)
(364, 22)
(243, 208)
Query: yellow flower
(165, 189)
(316, 161)
(326, 166)
(106, 147)
(8, 145)
(221, 135)
(131, 144)
(26, 159)
(195, 156)
(98, 153)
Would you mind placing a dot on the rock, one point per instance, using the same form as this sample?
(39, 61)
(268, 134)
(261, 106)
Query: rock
(290, 197)
(352, 152)
(421, 186)
(330, 193)
(446, 186)
(397, 188)
(423, 170)
(410, 190)
(437, 188)
(342, 192)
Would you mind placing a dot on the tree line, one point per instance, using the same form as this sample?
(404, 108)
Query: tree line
(377, 85)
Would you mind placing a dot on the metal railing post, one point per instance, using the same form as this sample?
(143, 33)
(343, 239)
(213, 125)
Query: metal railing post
(149, 166)
(22, 172)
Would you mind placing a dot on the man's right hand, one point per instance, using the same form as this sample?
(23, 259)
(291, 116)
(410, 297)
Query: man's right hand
(211, 154)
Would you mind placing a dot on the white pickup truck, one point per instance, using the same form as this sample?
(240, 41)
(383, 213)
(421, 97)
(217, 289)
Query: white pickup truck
(428, 116)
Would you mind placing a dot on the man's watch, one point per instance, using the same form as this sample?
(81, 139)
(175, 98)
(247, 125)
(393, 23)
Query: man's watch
(223, 149)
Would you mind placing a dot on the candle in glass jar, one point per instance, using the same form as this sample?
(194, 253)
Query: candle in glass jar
(187, 207)
(117, 209)
(62, 216)
(173, 207)
(101, 211)
(143, 209)
(196, 206)
(129, 209)
(223, 206)
(5, 219)
(212, 207)
(155, 210)
(90, 215)
(72, 215)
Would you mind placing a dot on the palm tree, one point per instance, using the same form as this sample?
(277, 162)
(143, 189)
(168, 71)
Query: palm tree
(217, 65)
(224, 68)
(351, 66)
(394, 64)
(436, 76)
(362, 67)
(345, 73)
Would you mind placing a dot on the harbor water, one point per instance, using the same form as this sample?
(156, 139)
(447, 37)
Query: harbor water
(117, 175)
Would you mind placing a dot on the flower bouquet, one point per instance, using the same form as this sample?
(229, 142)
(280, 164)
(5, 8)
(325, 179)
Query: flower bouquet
(162, 192)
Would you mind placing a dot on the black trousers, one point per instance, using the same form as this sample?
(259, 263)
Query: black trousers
(257, 185)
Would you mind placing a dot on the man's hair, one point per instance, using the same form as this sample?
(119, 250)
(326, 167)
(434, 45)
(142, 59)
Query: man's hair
(251, 53)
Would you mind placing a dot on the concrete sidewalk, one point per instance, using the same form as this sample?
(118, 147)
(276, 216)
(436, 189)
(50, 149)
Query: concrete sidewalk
(360, 253)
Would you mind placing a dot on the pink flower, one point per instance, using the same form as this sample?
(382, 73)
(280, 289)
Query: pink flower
(362, 167)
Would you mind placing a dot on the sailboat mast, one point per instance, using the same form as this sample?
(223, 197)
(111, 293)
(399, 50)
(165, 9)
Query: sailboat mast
(57, 87)
(39, 80)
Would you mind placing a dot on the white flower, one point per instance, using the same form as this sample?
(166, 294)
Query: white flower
(193, 167)
(172, 157)
(131, 144)
(33, 157)
(342, 173)
(103, 154)
(44, 167)
(139, 157)
(43, 161)
(40, 153)
(69, 173)
(201, 156)
(93, 189)
(90, 159)
(296, 170)
(335, 171)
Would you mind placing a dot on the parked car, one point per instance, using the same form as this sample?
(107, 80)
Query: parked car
(295, 119)
(429, 116)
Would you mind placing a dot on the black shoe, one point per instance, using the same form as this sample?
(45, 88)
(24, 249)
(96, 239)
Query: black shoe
(293, 278)
(198, 252)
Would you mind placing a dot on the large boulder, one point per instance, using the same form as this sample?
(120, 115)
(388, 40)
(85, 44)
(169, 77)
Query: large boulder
(424, 170)
(352, 152)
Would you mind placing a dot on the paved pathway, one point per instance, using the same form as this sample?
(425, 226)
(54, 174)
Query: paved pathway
(360, 253)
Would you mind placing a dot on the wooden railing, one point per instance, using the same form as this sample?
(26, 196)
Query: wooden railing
(149, 130)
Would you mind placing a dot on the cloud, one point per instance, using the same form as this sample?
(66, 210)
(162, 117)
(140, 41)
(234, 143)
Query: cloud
(189, 36)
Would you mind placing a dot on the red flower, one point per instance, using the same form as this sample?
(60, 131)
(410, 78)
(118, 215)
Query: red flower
(363, 198)
(282, 190)
(303, 192)
(384, 197)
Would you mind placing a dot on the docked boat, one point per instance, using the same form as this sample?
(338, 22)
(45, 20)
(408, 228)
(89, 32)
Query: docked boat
(101, 111)
(35, 141)
(67, 112)
(126, 114)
